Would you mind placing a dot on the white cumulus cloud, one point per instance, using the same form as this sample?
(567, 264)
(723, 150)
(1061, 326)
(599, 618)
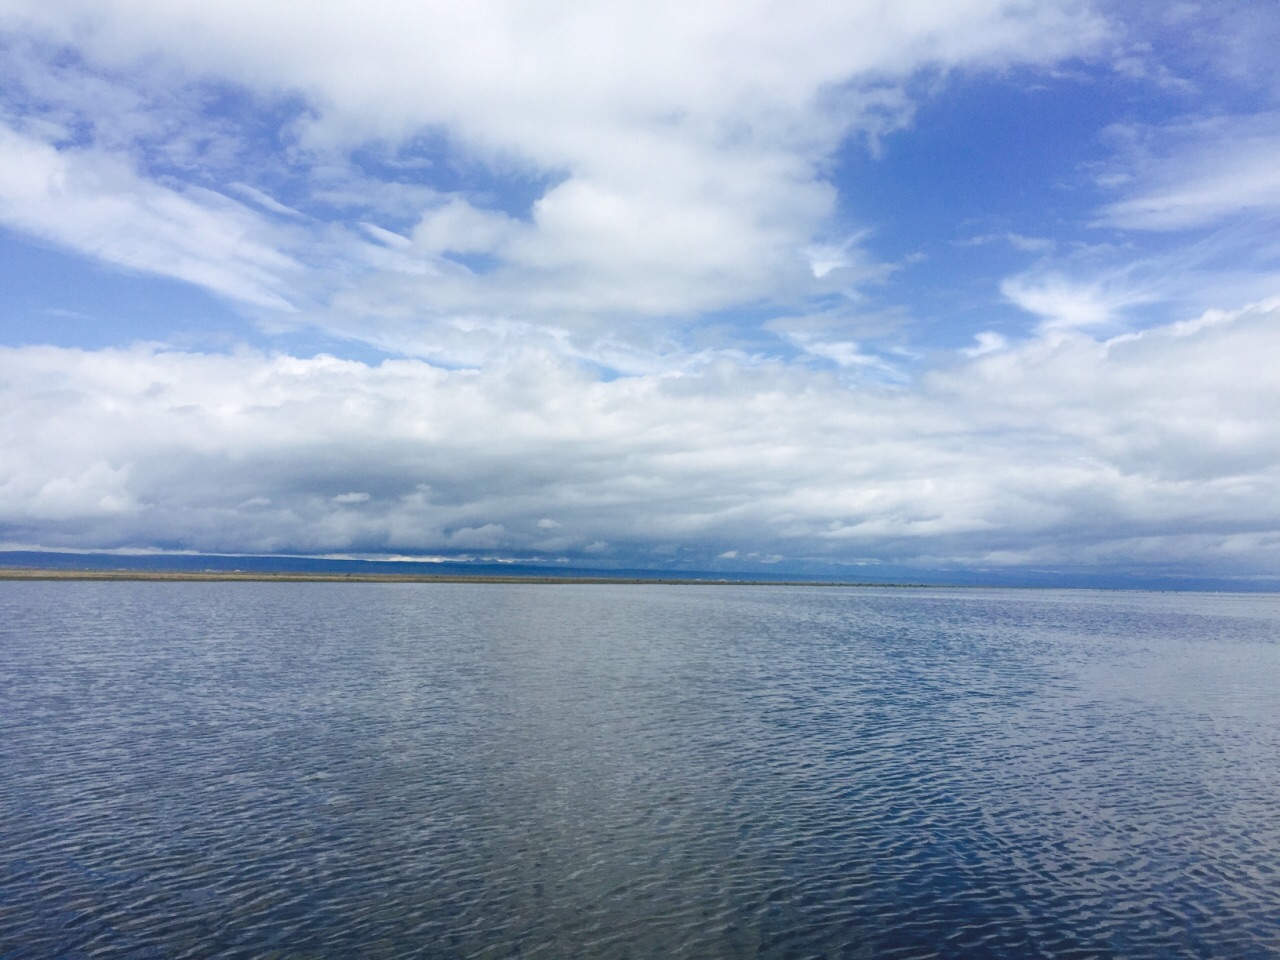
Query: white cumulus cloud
(1063, 449)
(670, 157)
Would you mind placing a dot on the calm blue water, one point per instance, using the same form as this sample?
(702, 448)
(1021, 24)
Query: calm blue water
(251, 770)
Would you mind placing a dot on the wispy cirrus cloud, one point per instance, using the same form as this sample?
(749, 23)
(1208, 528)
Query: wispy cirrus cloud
(98, 204)
(1066, 303)
(1195, 174)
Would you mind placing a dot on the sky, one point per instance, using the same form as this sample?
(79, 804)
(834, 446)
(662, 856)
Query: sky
(850, 287)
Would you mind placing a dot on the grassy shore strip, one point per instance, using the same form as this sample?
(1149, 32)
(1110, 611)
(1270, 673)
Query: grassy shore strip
(34, 573)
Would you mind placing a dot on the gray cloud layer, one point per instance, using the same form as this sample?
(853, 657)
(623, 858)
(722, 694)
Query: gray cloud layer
(1062, 452)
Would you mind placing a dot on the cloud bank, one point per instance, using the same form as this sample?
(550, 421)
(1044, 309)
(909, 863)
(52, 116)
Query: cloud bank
(1064, 452)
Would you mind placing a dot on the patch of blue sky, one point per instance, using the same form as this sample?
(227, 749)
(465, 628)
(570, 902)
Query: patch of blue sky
(991, 174)
(476, 263)
(1003, 173)
(64, 299)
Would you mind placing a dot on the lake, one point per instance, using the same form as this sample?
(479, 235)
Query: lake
(504, 770)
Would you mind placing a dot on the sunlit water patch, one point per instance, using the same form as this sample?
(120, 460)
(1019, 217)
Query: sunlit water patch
(320, 770)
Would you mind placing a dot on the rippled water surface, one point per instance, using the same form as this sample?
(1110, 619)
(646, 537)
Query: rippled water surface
(321, 770)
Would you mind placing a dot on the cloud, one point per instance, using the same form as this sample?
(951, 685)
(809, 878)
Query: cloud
(262, 199)
(1016, 240)
(1197, 174)
(348, 498)
(1065, 303)
(1110, 287)
(96, 491)
(1061, 448)
(986, 341)
(626, 162)
(97, 204)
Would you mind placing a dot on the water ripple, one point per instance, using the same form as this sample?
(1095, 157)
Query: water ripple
(256, 770)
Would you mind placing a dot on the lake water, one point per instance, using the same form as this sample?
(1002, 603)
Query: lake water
(320, 770)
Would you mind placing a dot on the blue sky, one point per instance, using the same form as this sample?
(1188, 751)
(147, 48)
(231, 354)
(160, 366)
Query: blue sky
(981, 286)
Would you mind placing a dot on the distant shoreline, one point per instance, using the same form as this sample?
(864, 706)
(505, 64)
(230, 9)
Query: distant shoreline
(239, 576)
(35, 574)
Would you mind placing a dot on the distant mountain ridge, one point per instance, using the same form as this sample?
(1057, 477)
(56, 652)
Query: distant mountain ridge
(878, 576)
